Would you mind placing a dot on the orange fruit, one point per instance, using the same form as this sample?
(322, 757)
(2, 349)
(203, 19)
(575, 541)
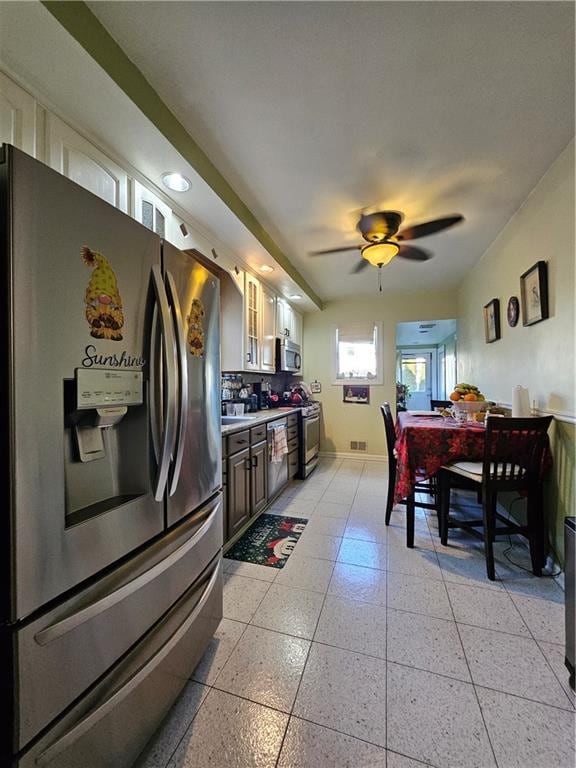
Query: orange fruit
(470, 397)
(455, 396)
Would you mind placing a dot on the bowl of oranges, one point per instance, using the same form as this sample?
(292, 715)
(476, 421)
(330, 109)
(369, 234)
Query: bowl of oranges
(468, 398)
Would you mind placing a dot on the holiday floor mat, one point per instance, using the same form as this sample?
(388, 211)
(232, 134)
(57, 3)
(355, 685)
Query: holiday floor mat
(269, 541)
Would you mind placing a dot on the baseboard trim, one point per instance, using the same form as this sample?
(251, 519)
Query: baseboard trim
(358, 455)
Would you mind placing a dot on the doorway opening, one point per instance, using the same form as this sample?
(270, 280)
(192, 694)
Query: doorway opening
(426, 358)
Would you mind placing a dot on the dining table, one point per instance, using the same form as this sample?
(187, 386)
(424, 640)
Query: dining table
(425, 442)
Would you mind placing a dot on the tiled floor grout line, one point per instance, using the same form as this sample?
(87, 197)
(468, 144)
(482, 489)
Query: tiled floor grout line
(560, 682)
(535, 639)
(364, 741)
(472, 680)
(290, 714)
(181, 739)
(210, 686)
(386, 648)
(511, 596)
(433, 533)
(206, 685)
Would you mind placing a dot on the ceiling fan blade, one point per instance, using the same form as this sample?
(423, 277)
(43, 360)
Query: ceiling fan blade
(413, 254)
(362, 264)
(429, 227)
(335, 250)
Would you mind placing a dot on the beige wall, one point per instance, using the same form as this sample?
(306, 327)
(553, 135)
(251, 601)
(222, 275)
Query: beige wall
(345, 422)
(540, 357)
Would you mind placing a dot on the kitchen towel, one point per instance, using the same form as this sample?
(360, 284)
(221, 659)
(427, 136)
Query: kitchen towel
(520, 402)
(279, 444)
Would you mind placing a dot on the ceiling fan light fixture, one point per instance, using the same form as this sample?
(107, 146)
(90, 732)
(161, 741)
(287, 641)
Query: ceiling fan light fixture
(380, 254)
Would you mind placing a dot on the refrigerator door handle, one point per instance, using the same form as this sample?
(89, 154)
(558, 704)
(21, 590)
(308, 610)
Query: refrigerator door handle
(171, 389)
(75, 733)
(183, 383)
(63, 626)
(155, 375)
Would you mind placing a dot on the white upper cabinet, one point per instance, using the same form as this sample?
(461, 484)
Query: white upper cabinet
(79, 160)
(151, 211)
(282, 319)
(268, 330)
(17, 116)
(288, 322)
(296, 327)
(252, 323)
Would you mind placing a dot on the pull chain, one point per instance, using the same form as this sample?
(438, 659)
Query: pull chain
(380, 278)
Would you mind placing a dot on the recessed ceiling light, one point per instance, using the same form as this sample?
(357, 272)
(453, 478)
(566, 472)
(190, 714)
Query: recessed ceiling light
(295, 296)
(266, 268)
(176, 182)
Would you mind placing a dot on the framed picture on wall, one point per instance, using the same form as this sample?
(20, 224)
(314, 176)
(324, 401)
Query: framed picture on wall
(534, 294)
(492, 321)
(356, 395)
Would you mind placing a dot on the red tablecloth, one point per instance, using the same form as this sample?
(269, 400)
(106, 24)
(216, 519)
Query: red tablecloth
(425, 443)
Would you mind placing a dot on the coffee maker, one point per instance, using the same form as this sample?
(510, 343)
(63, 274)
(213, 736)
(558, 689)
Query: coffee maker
(261, 389)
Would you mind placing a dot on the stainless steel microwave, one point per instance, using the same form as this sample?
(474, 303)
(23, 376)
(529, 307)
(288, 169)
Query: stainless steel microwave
(288, 356)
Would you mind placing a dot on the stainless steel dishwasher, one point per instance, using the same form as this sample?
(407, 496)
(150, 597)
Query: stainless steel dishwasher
(277, 471)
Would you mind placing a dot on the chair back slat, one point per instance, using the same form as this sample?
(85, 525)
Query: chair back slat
(388, 427)
(514, 449)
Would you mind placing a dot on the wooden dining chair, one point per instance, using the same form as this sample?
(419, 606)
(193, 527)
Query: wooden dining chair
(440, 404)
(513, 459)
(424, 486)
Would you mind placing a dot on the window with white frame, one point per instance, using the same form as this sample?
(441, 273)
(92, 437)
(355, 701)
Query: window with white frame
(358, 353)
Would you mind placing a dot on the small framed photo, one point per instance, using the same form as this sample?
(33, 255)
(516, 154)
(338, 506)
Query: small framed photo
(356, 395)
(534, 294)
(492, 321)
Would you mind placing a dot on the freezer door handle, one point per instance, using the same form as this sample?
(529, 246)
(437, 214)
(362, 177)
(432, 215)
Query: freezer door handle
(171, 389)
(63, 626)
(182, 384)
(75, 733)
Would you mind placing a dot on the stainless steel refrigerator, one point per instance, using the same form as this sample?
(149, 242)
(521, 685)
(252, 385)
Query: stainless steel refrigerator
(111, 525)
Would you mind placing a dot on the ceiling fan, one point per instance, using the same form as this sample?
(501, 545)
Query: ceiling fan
(384, 241)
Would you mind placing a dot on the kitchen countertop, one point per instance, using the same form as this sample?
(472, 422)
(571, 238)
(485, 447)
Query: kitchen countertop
(260, 417)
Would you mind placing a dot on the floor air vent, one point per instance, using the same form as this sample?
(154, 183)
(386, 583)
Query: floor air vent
(356, 445)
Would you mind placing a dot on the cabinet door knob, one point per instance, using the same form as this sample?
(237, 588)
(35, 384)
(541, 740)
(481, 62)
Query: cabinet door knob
(255, 461)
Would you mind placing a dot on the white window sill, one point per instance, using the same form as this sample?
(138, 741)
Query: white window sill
(357, 383)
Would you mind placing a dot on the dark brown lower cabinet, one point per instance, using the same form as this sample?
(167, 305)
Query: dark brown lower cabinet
(238, 491)
(259, 476)
(293, 464)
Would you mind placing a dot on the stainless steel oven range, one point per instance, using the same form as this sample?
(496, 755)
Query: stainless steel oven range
(310, 438)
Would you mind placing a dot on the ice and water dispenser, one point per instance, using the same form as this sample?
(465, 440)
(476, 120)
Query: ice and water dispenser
(106, 441)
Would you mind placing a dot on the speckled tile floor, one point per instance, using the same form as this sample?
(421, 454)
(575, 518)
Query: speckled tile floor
(363, 654)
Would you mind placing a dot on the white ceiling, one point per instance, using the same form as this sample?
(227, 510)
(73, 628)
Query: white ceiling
(38, 52)
(424, 333)
(313, 111)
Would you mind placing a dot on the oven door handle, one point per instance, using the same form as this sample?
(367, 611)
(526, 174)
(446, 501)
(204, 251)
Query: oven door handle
(310, 420)
(77, 731)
